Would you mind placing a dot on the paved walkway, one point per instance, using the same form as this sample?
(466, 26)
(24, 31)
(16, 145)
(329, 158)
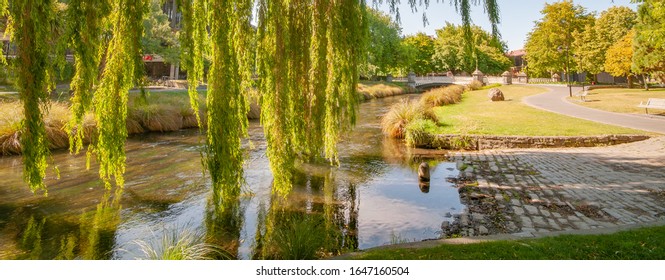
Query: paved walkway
(555, 101)
(545, 190)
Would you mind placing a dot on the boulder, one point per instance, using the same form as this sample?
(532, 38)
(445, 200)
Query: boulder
(495, 94)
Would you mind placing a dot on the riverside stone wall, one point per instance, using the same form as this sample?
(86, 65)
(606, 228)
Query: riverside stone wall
(482, 142)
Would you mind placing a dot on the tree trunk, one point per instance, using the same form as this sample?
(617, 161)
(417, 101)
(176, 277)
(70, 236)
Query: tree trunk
(646, 84)
(630, 81)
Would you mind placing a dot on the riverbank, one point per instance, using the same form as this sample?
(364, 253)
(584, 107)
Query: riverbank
(161, 111)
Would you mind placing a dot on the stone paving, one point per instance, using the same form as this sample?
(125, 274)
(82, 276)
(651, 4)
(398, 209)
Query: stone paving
(529, 191)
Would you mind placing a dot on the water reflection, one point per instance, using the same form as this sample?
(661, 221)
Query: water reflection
(315, 220)
(64, 236)
(224, 219)
(98, 228)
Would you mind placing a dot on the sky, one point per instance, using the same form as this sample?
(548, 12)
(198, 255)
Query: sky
(517, 16)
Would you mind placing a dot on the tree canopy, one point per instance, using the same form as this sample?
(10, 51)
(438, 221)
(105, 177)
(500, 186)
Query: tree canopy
(592, 43)
(383, 47)
(420, 48)
(649, 41)
(549, 46)
(487, 53)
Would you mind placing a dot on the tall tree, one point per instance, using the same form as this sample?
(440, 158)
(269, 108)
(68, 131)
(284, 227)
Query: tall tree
(421, 63)
(649, 42)
(592, 44)
(549, 46)
(487, 54)
(619, 58)
(383, 48)
(158, 36)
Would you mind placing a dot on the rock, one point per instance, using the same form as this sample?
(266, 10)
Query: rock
(482, 230)
(495, 94)
(423, 172)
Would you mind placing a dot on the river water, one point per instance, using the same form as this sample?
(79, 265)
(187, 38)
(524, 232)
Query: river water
(373, 198)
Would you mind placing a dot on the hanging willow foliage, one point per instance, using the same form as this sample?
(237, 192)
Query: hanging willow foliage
(30, 26)
(123, 60)
(193, 42)
(307, 59)
(85, 18)
(226, 103)
(3, 13)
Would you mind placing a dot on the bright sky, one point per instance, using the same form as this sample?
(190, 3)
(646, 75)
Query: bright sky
(517, 16)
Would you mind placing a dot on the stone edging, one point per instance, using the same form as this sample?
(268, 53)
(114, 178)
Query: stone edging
(488, 142)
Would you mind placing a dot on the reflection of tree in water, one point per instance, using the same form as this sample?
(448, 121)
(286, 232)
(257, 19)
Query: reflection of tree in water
(98, 230)
(224, 219)
(57, 237)
(317, 219)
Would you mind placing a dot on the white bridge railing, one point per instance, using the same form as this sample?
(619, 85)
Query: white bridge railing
(460, 80)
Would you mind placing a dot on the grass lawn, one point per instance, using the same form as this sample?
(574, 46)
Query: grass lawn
(638, 244)
(477, 115)
(621, 100)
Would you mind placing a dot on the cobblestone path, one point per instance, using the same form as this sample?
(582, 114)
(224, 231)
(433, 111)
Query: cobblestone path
(530, 191)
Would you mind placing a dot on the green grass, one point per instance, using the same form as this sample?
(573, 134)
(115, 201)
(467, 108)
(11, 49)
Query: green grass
(638, 244)
(621, 100)
(476, 114)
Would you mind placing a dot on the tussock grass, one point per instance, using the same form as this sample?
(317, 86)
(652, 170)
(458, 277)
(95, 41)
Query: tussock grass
(474, 85)
(10, 127)
(416, 132)
(300, 239)
(400, 115)
(442, 96)
(180, 244)
(379, 90)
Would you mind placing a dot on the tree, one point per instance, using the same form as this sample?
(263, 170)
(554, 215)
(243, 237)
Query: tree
(159, 38)
(549, 46)
(421, 62)
(649, 41)
(451, 54)
(619, 58)
(383, 48)
(613, 24)
(592, 43)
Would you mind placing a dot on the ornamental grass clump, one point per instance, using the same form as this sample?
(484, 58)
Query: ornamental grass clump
(416, 132)
(474, 85)
(442, 96)
(400, 115)
(370, 91)
(180, 244)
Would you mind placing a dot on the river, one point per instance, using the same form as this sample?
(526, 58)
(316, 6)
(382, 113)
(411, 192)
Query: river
(373, 198)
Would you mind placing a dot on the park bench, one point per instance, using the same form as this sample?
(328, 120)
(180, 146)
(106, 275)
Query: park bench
(582, 94)
(653, 103)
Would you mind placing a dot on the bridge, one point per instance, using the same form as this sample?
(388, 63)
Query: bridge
(430, 82)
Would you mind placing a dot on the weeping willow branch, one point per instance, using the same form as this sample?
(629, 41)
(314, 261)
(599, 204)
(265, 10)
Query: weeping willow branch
(30, 24)
(226, 103)
(3, 13)
(110, 100)
(85, 18)
(193, 40)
